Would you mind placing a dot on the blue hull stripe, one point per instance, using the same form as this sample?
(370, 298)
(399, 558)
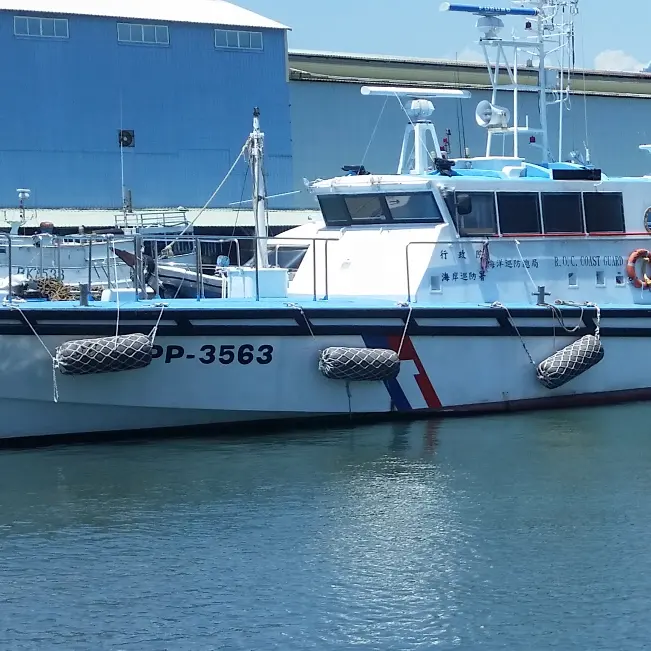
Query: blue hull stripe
(396, 393)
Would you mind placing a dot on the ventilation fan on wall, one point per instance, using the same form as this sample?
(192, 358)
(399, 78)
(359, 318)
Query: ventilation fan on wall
(126, 138)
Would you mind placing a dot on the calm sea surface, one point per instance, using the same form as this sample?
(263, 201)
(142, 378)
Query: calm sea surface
(523, 532)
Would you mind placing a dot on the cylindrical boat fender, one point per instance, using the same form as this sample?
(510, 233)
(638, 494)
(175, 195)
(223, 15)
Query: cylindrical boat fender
(570, 362)
(359, 364)
(104, 355)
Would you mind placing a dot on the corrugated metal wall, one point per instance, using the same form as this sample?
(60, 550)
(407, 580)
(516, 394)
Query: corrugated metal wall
(333, 125)
(190, 105)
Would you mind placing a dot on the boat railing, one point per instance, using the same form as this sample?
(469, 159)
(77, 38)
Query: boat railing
(101, 255)
(198, 240)
(7, 237)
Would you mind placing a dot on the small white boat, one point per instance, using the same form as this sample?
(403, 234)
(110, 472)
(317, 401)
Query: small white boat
(177, 277)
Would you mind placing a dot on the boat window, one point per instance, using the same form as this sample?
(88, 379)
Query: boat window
(287, 257)
(604, 212)
(367, 208)
(562, 212)
(481, 220)
(334, 210)
(519, 212)
(377, 208)
(415, 207)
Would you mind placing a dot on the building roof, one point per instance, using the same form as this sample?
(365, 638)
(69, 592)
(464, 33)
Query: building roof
(210, 218)
(343, 67)
(211, 12)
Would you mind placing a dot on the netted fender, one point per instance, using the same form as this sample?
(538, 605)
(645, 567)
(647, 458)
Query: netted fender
(570, 362)
(370, 364)
(104, 355)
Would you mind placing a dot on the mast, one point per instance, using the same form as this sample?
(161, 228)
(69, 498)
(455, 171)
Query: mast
(541, 27)
(256, 154)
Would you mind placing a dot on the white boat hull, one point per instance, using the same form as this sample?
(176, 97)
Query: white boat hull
(221, 374)
(180, 281)
(36, 418)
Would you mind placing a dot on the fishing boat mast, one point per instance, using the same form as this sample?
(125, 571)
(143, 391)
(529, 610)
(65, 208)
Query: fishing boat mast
(546, 22)
(255, 155)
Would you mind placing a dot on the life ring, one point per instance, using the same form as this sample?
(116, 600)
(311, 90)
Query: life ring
(645, 282)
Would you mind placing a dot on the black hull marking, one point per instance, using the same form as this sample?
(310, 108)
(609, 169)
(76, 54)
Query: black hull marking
(188, 322)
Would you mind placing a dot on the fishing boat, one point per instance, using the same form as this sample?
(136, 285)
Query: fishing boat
(79, 258)
(449, 286)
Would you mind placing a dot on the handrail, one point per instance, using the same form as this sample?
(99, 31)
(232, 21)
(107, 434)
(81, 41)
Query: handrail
(197, 240)
(556, 236)
(152, 218)
(90, 263)
(8, 238)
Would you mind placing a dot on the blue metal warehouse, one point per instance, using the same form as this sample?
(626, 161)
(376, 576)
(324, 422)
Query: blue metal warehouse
(162, 91)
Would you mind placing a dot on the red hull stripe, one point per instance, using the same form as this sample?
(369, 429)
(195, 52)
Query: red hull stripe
(408, 353)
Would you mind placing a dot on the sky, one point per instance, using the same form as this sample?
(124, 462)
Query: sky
(610, 35)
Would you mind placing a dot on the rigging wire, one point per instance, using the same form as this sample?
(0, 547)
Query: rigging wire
(461, 128)
(377, 123)
(237, 212)
(168, 249)
(585, 95)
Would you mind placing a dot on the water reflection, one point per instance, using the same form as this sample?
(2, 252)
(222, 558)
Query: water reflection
(499, 532)
(100, 485)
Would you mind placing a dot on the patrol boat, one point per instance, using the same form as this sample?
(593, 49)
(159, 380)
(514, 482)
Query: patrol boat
(474, 284)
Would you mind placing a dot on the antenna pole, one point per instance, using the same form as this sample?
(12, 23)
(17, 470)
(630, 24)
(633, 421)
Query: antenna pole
(542, 82)
(541, 27)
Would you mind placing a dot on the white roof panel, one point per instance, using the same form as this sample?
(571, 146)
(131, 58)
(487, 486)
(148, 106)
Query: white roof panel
(210, 12)
(212, 217)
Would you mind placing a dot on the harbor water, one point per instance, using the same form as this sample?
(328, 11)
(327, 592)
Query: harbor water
(504, 532)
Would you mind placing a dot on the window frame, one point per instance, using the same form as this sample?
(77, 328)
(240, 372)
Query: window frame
(489, 194)
(238, 48)
(142, 26)
(386, 209)
(579, 195)
(374, 197)
(41, 19)
(532, 194)
(543, 220)
(620, 197)
(342, 208)
(415, 220)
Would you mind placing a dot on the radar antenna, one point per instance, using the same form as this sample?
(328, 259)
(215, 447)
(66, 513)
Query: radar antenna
(546, 22)
(415, 156)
